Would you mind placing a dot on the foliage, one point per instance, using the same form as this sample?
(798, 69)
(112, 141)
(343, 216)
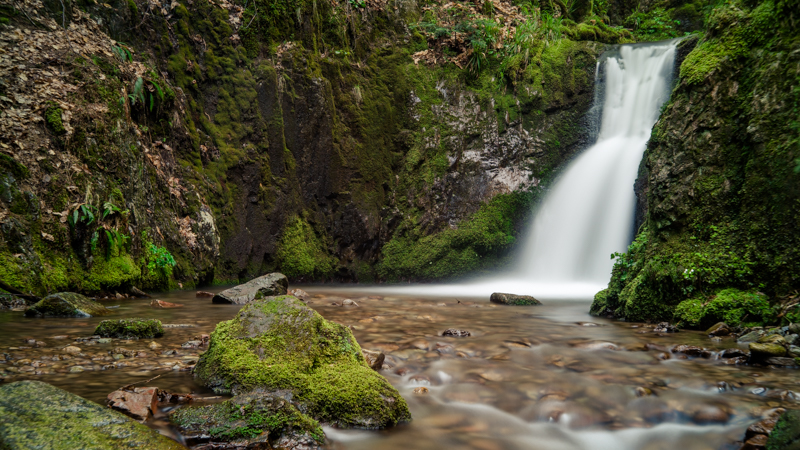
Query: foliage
(52, 117)
(732, 306)
(655, 25)
(159, 259)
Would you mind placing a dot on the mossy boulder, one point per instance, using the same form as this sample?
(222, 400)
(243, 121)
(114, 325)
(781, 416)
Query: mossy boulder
(37, 415)
(250, 419)
(786, 434)
(513, 299)
(732, 306)
(279, 344)
(134, 328)
(767, 350)
(263, 286)
(67, 304)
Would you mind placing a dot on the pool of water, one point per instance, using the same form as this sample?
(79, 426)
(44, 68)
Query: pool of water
(537, 377)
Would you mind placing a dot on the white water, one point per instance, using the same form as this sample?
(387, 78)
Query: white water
(588, 213)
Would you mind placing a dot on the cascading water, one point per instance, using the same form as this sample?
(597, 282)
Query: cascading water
(587, 215)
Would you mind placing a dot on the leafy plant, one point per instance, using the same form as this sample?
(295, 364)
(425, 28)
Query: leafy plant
(159, 258)
(122, 52)
(83, 213)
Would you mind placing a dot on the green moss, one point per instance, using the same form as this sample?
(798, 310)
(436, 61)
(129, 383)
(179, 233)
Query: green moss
(278, 343)
(732, 306)
(52, 117)
(38, 415)
(478, 243)
(135, 328)
(66, 304)
(301, 253)
(112, 273)
(248, 416)
(786, 434)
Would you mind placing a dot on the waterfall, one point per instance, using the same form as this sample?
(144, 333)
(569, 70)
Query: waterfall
(588, 212)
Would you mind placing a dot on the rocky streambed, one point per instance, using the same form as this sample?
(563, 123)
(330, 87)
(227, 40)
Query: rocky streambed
(547, 376)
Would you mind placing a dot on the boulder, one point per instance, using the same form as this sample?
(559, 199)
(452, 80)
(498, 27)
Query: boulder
(264, 286)
(257, 419)
(35, 415)
(135, 328)
(766, 350)
(719, 329)
(513, 299)
(280, 344)
(67, 304)
(139, 403)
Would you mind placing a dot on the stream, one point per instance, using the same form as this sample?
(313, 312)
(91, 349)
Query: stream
(532, 377)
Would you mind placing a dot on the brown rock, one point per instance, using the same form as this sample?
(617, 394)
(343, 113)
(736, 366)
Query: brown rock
(780, 361)
(348, 302)
(452, 332)
(719, 329)
(422, 390)
(764, 427)
(162, 304)
(691, 350)
(139, 403)
(299, 293)
(665, 327)
(706, 414)
(72, 350)
(757, 442)
(203, 294)
(136, 292)
(374, 359)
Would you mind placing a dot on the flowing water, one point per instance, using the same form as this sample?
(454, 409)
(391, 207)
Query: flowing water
(541, 377)
(538, 377)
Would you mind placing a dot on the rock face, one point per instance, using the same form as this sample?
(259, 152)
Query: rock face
(35, 415)
(264, 286)
(279, 344)
(253, 420)
(130, 328)
(696, 171)
(67, 304)
(513, 299)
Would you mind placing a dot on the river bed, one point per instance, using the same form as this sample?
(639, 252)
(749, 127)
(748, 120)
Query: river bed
(533, 377)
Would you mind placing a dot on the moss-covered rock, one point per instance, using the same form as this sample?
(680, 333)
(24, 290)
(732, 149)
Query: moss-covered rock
(278, 343)
(786, 434)
(36, 415)
(130, 328)
(732, 306)
(513, 299)
(67, 304)
(264, 286)
(251, 418)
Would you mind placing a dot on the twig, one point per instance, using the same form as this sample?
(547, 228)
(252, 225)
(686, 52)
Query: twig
(63, 15)
(23, 12)
(255, 13)
(128, 387)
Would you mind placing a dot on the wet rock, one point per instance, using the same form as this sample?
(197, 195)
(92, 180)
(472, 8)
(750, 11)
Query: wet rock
(421, 390)
(772, 339)
(174, 398)
(263, 286)
(301, 294)
(452, 332)
(762, 427)
(76, 369)
(757, 442)
(124, 352)
(38, 415)
(155, 303)
(67, 304)
(794, 328)
(136, 292)
(253, 420)
(374, 359)
(778, 361)
(153, 345)
(752, 336)
(766, 350)
(665, 327)
(139, 403)
(513, 299)
(134, 328)
(204, 294)
(786, 433)
(72, 350)
(708, 414)
(719, 329)
(348, 302)
(192, 344)
(278, 343)
(732, 353)
(691, 350)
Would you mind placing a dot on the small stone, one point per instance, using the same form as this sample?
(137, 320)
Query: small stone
(665, 327)
(140, 403)
(757, 442)
(72, 350)
(76, 369)
(732, 353)
(203, 294)
(421, 390)
(348, 302)
(794, 328)
(192, 344)
(779, 361)
(374, 359)
(752, 336)
(691, 350)
(299, 293)
(707, 414)
(104, 341)
(452, 332)
(155, 303)
(513, 299)
(136, 292)
(763, 427)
